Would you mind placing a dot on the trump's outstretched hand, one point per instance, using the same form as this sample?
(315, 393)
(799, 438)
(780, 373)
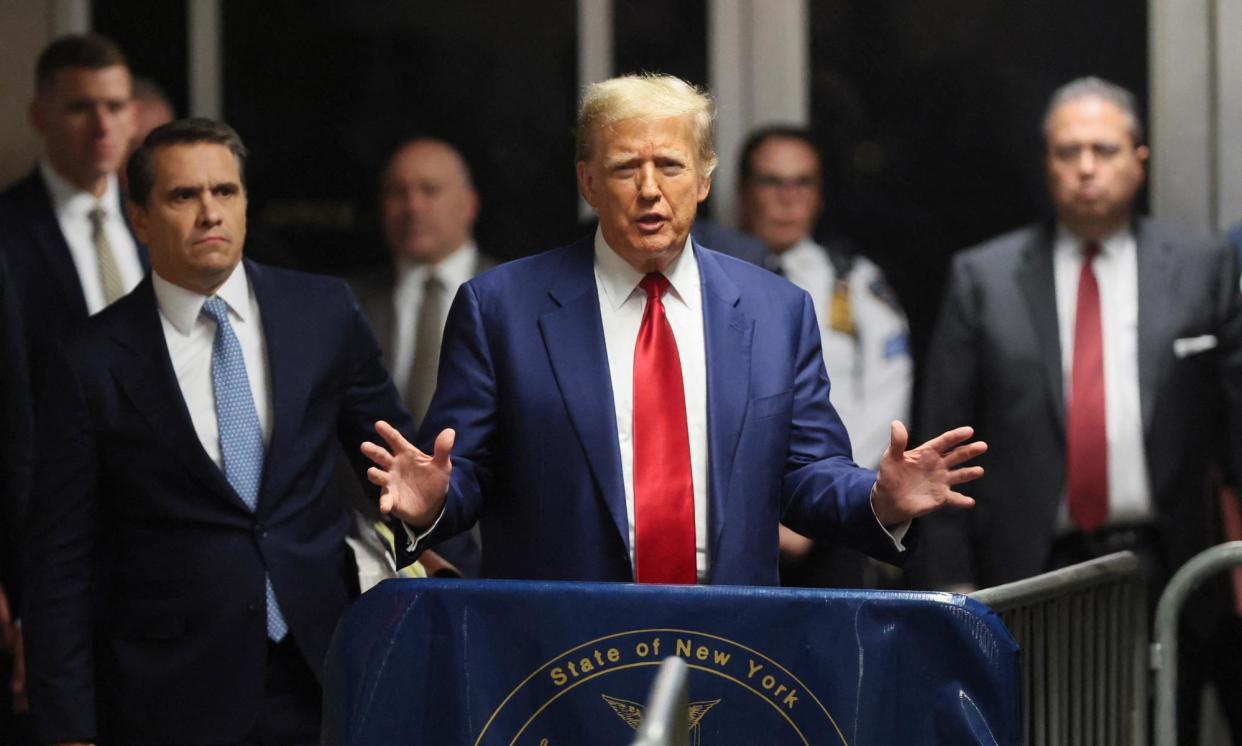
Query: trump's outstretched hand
(412, 484)
(916, 482)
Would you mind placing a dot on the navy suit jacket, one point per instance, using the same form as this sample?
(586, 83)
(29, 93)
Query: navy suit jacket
(46, 302)
(146, 569)
(49, 293)
(16, 448)
(524, 380)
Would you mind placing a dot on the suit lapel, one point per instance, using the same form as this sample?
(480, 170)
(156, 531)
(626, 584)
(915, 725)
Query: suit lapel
(144, 371)
(285, 368)
(377, 301)
(143, 256)
(574, 338)
(1038, 284)
(727, 334)
(1158, 275)
(52, 247)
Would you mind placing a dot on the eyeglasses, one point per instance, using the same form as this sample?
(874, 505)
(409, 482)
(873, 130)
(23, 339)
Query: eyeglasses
(804, 183)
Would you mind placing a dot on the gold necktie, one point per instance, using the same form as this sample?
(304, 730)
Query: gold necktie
(429, 328)
(109, 273)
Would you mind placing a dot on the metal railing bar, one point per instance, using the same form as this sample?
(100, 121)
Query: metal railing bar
(1164, 649)
(1058, 583)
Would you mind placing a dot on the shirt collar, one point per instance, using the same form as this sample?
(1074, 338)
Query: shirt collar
(453, 270)
(1067, 242)
(798, 256)
(67, 198)
(619, 280)
(182, 306)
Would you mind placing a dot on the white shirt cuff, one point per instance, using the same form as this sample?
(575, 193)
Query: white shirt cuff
(896, 533)
(415, 538)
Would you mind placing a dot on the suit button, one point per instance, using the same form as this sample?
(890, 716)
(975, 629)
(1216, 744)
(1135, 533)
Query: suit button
(252, 608)
(259, 531)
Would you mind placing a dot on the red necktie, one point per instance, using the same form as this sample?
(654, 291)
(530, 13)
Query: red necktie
(1086, 469)
(663, 491)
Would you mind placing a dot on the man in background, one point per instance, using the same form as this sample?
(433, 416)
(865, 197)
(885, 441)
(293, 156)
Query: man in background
(67, 247)
(187, 558)
(863, 330)
(1100, 353)
(428, 206)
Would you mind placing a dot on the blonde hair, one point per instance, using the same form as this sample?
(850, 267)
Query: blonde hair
(647, 96)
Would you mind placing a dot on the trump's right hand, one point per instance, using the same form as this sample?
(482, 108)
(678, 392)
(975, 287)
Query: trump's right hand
(412, 484)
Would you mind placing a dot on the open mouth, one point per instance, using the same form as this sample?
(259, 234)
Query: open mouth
(651, 222)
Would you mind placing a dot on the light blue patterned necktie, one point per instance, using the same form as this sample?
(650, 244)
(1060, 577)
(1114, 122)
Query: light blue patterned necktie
(241, 437)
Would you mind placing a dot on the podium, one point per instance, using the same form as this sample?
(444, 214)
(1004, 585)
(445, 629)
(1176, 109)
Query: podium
(545, 664)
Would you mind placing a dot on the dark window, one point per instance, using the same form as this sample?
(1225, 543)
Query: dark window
(661, 36)
(153, 37)
(323, 91)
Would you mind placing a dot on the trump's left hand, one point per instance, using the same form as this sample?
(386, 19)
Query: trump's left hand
(916, 482)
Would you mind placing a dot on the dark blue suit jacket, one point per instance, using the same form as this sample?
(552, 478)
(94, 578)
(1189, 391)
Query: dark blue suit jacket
(45, 303)
(49, 293)
(16, 447)
(524, 380)
(146, 572)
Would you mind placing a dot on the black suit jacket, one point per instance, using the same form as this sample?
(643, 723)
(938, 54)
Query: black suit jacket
(146, 571)
(48, 291)
(995, 363)
(17, 446)
(45, 302)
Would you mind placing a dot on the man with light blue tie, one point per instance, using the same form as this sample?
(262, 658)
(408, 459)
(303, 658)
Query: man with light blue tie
(187, 560)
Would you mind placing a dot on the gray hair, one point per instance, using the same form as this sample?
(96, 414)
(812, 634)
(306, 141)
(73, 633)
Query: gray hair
(1093, 87)
(647, 96)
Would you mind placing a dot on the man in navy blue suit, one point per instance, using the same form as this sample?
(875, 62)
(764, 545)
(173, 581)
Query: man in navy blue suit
(69, 248)
(52, 225)
(187, 563)
(638, 407)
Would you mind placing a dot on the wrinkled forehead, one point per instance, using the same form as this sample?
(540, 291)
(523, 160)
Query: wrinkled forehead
(426, 161)
(195, 162)
(1089, 118)
(112, 82)
(669, 135)
(784, 155)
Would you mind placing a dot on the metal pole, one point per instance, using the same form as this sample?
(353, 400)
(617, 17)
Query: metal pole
(666, 721)
(1164, 649)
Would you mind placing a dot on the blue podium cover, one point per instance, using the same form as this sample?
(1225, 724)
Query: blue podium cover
(552, 664)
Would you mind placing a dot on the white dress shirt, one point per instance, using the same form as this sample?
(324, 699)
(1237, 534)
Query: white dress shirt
(190, 334)
(407, 298)
(73, 212)
(621, 306)
(871, 372)
(1116, 273)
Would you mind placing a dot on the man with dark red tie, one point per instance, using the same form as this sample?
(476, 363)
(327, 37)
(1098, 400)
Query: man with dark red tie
(1100, 354)
(636, 406)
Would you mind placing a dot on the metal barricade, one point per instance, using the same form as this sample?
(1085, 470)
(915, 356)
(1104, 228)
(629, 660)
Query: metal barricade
(1083, 637)
(666, 720)
(1164, 648)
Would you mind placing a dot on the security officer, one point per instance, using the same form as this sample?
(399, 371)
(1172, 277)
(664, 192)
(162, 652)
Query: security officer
(864, 331)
